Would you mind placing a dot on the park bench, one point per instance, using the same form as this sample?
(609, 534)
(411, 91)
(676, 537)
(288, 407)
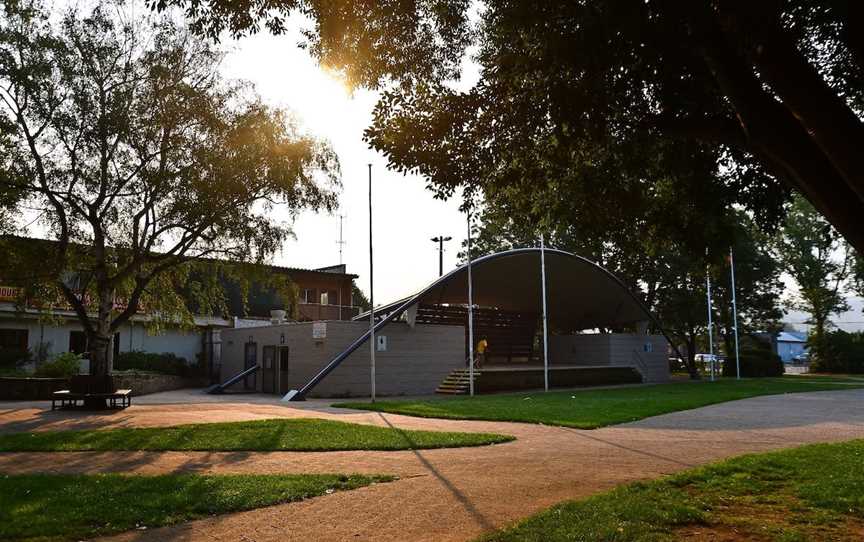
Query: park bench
(91, 389)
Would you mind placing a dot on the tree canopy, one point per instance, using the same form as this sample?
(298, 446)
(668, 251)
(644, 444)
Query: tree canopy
(814, 254)
(670, 280)
(760, 98)
(131, 151)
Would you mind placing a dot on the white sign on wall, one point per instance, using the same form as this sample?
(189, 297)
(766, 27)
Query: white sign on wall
(319, 330)
(382, 343)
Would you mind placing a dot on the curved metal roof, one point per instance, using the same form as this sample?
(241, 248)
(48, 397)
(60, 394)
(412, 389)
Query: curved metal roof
(580, 294)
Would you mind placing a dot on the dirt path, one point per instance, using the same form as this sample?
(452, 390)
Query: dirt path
(451, 494)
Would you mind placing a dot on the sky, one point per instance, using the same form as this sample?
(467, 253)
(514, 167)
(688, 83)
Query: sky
(405, 214)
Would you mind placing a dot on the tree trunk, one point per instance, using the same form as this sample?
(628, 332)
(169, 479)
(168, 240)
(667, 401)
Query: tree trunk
(691, 357)
(100, 368)
(99, 360)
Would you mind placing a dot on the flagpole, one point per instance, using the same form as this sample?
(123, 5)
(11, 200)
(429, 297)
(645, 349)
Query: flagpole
(371, 298)
(470, 315)
(710, 323)
(545, 324)
(735, 315)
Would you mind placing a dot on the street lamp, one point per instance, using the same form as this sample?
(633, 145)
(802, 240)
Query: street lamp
(440, 240)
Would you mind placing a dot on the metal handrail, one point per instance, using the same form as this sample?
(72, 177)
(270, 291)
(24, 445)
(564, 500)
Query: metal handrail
(641, 363)
(219, 388)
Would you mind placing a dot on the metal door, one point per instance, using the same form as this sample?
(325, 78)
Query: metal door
(250, 359)
(268, 373)
(284, 386)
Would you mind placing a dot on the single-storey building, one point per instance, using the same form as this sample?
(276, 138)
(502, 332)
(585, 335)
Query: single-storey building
(790, 344)
(599, 333)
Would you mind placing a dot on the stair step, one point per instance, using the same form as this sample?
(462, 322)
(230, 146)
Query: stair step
(458, 382)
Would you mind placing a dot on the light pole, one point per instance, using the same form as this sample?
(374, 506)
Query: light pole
(440, 240)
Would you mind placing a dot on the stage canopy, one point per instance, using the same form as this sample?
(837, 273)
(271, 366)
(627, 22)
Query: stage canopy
(579, 293)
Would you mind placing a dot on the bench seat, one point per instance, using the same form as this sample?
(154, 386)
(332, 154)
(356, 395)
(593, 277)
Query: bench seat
(68, 398)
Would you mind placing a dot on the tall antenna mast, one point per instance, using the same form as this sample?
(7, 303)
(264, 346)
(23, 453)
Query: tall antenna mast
(340, 242)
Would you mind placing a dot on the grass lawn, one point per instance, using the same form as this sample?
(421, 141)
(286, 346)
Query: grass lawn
(590, 409)
(262, 435)
(72, 507)
(811, 493)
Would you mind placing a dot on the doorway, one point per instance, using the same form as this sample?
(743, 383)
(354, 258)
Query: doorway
(283, 354)
(250, 359)
(268, 374)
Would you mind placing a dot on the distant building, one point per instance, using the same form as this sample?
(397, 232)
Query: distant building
(324, 294)
(791, 344)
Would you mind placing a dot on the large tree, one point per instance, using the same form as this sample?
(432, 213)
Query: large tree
(654, 261)
(773, 87)
(815, 255)
(136, 157)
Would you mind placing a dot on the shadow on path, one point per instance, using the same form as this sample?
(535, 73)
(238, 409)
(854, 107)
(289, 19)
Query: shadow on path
(583, 434)
(478, 516)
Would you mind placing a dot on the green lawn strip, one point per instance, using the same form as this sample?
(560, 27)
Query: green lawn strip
(589, 409)
(72, 507)
(814, 492)
(261, 435)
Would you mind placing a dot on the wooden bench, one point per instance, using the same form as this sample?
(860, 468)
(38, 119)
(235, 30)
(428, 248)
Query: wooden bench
(83, 388)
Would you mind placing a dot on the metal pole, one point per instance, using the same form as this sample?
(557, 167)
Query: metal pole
(735, 315)
(441, 256)
(545, 325)
(371, 297)
(470, 315)
(710, 324)
(341, 241)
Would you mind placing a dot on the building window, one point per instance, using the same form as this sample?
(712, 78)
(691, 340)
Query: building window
(332, 297)
(308, 296)
(78, 342)
(13, 339)
(325, 298)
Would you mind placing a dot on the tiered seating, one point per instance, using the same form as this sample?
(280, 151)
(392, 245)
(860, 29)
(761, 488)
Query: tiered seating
(510, 334)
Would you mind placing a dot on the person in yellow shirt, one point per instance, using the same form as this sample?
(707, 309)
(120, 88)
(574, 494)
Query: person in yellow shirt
(482, 347)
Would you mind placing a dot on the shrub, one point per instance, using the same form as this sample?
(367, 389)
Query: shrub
(164, 363)
(11, 359)
(62, 366)
(757, 363)
(757, 359)
(843, 352)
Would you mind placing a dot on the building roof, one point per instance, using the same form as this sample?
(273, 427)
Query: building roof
(339, 269)
(260, 299)
(791, 337)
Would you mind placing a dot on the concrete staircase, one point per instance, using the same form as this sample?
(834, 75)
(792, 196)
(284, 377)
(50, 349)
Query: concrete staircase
(458, 382)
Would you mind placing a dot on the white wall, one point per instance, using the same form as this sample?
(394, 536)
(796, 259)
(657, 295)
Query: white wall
(645, 352)
(132, 337)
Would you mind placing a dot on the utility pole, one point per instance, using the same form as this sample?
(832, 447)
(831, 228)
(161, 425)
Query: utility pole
(440, 240)
(371, 297)
(341, 241)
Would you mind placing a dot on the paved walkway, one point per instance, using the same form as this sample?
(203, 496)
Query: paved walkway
(453, 494)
